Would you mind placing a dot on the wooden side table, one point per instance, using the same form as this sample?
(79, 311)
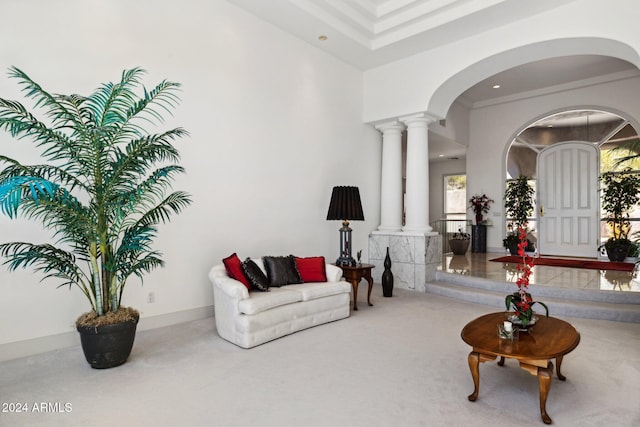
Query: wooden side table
(354, 275)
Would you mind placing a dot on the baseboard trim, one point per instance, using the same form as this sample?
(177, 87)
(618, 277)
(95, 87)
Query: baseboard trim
(30, 347)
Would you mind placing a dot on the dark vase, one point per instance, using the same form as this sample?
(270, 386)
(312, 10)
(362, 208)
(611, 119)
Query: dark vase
(107, 346)
(387, 277)
(479, 219)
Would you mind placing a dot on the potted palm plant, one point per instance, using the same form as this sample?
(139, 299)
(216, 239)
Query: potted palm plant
(104, 187)
(620, 193)
(518, 205)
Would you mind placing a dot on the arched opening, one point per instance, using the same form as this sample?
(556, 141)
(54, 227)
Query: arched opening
(609, 133)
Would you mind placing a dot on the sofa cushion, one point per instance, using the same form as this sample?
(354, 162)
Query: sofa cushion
(281, 270)
(233, 265)
(310, 291)
(255, 275)
(312, 269)
(259, 302)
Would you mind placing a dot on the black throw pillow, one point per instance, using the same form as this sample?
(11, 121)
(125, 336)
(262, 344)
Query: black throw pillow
(281, 270)
(255, 276)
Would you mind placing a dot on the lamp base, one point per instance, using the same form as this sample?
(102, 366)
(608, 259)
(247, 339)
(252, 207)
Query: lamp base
(346, 262)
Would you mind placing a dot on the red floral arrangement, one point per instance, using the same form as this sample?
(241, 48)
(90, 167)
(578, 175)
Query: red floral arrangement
(480, 204)
(521, 301)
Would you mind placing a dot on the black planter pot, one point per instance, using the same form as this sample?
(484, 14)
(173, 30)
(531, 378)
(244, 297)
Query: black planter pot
(617, 253)
(513, 248)
(107, 346)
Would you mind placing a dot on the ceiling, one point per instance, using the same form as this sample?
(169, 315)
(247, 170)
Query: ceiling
(370, 33)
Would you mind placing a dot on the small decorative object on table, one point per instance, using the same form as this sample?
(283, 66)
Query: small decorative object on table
(507, 331)
(521, 302)
(359, 256)
(480, 205)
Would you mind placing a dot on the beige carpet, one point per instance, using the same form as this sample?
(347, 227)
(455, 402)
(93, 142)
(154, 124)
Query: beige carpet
(399, 363)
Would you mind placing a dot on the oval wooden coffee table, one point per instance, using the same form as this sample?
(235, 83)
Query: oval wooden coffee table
(550, 338)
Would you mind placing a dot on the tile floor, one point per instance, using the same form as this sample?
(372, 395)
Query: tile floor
(478, 265)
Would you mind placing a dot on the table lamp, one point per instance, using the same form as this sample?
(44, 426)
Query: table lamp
(345, 206)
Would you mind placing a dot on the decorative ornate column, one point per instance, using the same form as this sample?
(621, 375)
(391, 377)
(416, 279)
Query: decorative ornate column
(417, 198)
(391, 180)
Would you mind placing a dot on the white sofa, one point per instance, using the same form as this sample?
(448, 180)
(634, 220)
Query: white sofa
(248, 319)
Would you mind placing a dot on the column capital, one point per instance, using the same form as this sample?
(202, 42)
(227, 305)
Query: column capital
(419, 119)
(390, 126)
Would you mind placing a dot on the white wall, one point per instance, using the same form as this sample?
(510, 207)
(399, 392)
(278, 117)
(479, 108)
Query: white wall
(493, 128)
(274, 124)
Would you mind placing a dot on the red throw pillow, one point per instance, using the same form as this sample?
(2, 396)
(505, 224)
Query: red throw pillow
(312, 269)
(233, 265)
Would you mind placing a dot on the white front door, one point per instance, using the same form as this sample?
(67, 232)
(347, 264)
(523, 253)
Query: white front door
(568, 200)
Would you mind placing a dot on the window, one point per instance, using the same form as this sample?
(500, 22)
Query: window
(455, 196)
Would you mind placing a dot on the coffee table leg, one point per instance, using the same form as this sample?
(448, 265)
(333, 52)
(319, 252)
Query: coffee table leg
(370, 280)
(558, 363)
(544, 382)
(474, 366)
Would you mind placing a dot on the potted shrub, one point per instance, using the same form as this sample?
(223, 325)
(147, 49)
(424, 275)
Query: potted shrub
(518, 205)
(102, 190)
(620, 193)
(459, 242)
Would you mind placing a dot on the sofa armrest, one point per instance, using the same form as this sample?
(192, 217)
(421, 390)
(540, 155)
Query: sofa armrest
(230, 287)
(334, 273)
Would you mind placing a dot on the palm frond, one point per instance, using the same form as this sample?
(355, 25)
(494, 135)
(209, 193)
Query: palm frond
(46, 258)
(172, 204)
(59, 115)
(18, 188)
(162, 96)
(141, 155)
(44, 171)
(110, 102)
(20, 123)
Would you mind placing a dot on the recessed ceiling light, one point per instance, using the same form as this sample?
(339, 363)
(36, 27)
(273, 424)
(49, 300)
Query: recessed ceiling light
(496, 86)
(441, 155)
(322, 37)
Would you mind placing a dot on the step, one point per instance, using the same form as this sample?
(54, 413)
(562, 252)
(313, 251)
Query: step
(619, 312)
(542, 291)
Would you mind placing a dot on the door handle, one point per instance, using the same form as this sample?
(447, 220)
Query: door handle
(541, 210)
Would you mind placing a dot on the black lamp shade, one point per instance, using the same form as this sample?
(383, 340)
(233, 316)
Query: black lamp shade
(345, 204)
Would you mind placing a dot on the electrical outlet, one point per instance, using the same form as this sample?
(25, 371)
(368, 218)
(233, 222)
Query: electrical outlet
(151, 297)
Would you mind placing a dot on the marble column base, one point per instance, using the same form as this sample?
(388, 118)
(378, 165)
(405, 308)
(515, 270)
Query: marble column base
(414, 257)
